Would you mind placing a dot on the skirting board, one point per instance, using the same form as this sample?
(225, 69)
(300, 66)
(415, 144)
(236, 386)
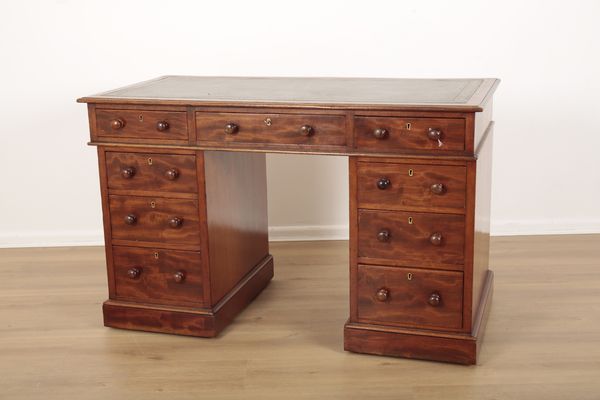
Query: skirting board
(294, 233)
(302, 233)
(557, 226)
(52, 239)
(96, 238)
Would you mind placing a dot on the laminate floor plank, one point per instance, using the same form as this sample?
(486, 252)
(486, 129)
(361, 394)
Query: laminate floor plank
(542, 339)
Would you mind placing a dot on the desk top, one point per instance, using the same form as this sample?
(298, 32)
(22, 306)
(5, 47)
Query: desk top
(438, 94)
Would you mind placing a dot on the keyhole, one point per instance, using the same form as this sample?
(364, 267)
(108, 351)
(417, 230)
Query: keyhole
(141, 118)
(411, 172)
(408, 126)
(409, 276)
(149, 161)
(156, 255)
(410, 220)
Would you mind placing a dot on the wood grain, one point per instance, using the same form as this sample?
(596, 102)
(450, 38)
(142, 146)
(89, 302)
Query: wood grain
(482, 216)
(141, 124)
(152, 223)
(236, 209)
(407, 302)
(407, 192)
(409, 133)
(409, 243)
(150, 172)
(156, 283)
(282, 129)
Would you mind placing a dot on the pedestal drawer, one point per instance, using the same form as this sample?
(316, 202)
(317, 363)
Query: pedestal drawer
(388, 134)
(411, 186)
(297, 129)
(412, 239)
(157, 276)
(148, 171)
(410, 297)
(161, 220)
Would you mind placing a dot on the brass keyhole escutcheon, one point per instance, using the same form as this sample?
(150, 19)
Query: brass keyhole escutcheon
(149, 161)
(141, 118)
(268, 121)
(156, 255)
(408, 126)
(153, 204)
(409, 276)
(411, 172)
(410, 220)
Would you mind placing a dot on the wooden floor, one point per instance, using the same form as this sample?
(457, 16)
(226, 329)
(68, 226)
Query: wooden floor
(542, 339)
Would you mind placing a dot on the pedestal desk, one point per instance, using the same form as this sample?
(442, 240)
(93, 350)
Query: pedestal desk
(183, 183)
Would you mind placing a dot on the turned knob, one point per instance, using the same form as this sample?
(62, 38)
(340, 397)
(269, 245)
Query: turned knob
(380, 133)
(231, 128)
(434, 134)
(434, 299)
(134, 273)
(382, 294)
(130, 219)
(117, 123)
(436, 239)
(383, 183)
(172, 174)
(179, 276)
(128, 172)
(175, 222)
(162, 126)
(307, 130)
(383, 235)
(438, 188)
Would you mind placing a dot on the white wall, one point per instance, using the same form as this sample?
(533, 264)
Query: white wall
(546, 164)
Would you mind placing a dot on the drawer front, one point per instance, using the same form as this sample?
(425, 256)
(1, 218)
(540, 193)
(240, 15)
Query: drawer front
(409, 186)
(155, 172)
(410, 297)
(326, 130)
(412, 239)
(157, 275)
(142, 124)
(161, 220)
(390, 133)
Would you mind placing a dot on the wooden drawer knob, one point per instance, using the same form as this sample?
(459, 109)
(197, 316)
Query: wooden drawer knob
(117, 123)
(383, 235)
(176, 222)
(172, 174)
(382, 294)
(134, 273)
(130, 219)
(438, 188)
(307, 130)
(231, 128)
(179, 276)
(434, 134)
(434, 299)
(162, 126)
(383, 183)
(436, 239)
(380, 133)
(128, 172)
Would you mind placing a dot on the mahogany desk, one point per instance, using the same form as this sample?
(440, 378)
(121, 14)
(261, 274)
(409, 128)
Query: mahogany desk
(183, 179)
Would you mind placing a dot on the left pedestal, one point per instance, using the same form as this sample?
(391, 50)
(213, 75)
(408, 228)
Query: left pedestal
(186, 237)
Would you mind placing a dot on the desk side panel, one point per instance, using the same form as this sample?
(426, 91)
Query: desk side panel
(481, 237)
(236, 214)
